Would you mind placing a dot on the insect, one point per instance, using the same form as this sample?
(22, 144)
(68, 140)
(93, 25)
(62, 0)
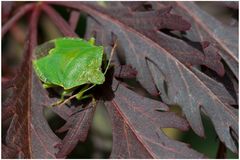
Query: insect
(72, 62)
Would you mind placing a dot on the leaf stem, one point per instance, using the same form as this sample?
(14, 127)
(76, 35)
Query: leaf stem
(62, 25)
(19, 13)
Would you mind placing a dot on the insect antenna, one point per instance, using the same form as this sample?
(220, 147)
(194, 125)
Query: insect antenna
(110, 58)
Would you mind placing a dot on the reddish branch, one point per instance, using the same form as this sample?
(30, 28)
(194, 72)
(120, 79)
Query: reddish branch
(73, 20)
(59, 21)
(19, 13)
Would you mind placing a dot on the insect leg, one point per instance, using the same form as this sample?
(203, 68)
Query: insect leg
(82, 109)
(83, 90)
(57, 103)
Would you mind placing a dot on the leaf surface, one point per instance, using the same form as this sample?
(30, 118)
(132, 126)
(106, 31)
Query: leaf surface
(43, 138)
(77, 126)
(175, 57)
(136, 127)
(183, 86)
(198, 53)
(18, 106)
(206, 27)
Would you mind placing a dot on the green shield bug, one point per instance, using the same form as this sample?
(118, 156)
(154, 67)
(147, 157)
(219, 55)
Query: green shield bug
(71, 63)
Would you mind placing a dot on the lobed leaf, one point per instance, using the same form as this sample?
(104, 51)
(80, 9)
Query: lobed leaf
(165, 54)
(77, 126)
(18, 133)
(19, 13)
(6, 10)
(183, 86)
(205, 27)
(136, 127)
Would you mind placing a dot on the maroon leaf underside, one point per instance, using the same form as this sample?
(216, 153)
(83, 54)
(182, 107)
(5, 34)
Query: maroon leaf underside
(125, 71)
(136, 127)
(182, 51)
(232, 4)
(29, 133)
(7, 7)
(222, 37)
(217, 88)
(163, 19)
(70, 137)
(184, 87)
(18, 133)
(78, 127)
(73, 20)
(43, 141)
(156, 62)
(59, 21)
(8, 152)
(19, 13)
(205, 27)
(77, 124)
(46, 144)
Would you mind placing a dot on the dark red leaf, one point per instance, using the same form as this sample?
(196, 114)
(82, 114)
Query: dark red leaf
(43, 139)
(125, 71)
(73, 20)
(141, 5)
(232, 4)
(77, 126)
(205, 27)
(80, 122)
(18, 134)
(173, 49)
(8, 152)
(7, 7)
(183, 87)
(59, 21)
(163, 19)
(136, 127)
(7, 82)
(19, 13)
(217, 88)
